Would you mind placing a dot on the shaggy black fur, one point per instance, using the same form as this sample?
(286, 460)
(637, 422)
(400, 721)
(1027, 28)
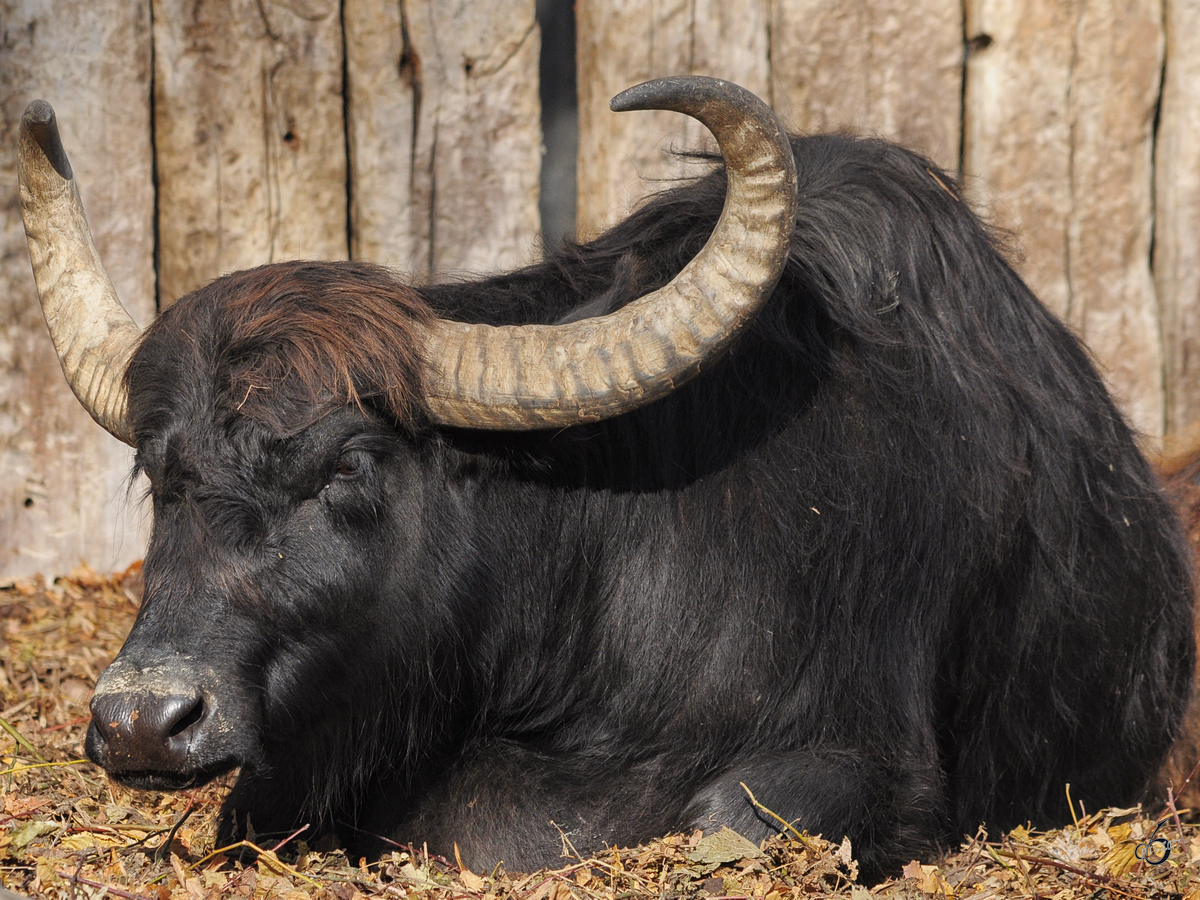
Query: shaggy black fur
(895, 562)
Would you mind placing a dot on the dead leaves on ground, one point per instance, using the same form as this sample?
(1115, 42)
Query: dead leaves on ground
(66, 832)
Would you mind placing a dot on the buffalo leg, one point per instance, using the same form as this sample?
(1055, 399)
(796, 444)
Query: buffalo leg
(508, 802)
(832, 793)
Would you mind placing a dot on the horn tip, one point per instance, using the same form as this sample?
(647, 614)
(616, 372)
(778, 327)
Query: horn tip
(675, 89)
(39, 113)
(40, 124)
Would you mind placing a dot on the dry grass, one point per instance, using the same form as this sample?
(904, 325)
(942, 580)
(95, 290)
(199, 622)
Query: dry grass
(66, 832)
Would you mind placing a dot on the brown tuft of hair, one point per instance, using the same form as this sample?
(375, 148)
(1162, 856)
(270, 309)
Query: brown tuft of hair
(290, 340)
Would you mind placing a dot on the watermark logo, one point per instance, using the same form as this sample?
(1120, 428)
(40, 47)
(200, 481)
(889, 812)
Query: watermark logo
(1154, 850)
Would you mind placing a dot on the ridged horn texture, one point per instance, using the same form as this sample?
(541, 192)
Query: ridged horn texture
(547, 376)
(93, 334)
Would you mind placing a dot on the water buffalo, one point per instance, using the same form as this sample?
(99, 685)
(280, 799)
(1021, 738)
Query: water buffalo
(787, 479)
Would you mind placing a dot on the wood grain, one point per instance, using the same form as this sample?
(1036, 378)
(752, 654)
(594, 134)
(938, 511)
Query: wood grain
(623, 158)
(445, 134)
(1177, 215)
(872, 67)
(1059, 113)
(249, 136)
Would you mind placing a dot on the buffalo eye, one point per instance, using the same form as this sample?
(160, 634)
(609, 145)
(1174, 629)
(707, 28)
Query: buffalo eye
(350, 465)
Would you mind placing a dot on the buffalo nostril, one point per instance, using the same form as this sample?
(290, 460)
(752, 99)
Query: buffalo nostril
(141, 731)
(189, 718)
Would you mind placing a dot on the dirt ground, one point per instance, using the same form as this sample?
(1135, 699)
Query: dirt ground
(67, 832)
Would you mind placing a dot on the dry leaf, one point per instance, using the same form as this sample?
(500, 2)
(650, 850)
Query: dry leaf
(91, 840)
(845, 852)
(725, 846)
(1119, 860)
(471, 881)
(25, 835)
(17, 807)
(180, 872)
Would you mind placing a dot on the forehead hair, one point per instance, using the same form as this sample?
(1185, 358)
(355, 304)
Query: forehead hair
(284, 343)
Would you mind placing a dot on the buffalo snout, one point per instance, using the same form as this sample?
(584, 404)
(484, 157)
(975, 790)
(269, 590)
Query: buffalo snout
(155, 728)
(145, 731)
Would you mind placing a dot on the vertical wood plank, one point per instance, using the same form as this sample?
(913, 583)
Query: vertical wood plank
(871, 66)
(1177, 214)
(249, 136)
(382, 84)
(1060, 104)
(1115, 93)
(1017, 130)
(63, 480)
(445, 133)
(623, 158)
(478, 132)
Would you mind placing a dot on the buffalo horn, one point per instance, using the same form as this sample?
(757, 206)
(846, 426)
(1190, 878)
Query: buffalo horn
(93, 334)
(543, 376)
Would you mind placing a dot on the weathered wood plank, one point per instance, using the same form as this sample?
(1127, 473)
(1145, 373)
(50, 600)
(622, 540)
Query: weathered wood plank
(382, 83)
(1177, 215)
(249, 134)
(1060, 102)
(871, 66)
(63, 479)
(623, 158)
(445, 133)
(1017, 130)
(1115, 93)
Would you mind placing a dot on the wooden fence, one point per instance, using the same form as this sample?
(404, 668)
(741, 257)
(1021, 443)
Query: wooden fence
(212, 135)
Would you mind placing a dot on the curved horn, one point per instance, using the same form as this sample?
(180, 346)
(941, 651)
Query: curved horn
(542, 376)
(93, 334)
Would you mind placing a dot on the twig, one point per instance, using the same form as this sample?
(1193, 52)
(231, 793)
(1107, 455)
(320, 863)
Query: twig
(21, 742)
(996, 854)
(77, 721)
(116, 892)
(160, 853)
(129, 848)
(1023, 866)
(41, 765)
(551, 876)
(567, 845)
(16, 817)
(561, 875)
(379, 837)
(1071, 807)
(941, 183)
(1191, 775)
(272, 861)
(778, 818)
(118, 829)
(295, 834)
(1175, 815)
(977, 844)
(75, 878)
